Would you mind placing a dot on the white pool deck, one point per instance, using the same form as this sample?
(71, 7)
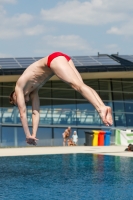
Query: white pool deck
(103, 150)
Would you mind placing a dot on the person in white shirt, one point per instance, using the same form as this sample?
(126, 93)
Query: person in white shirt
(75, 137)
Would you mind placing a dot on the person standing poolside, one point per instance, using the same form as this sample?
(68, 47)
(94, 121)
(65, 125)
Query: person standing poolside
(66, 135)
(75, 137)
(37, 74)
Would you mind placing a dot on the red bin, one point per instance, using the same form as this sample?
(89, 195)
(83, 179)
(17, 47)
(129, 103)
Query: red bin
(101, 138)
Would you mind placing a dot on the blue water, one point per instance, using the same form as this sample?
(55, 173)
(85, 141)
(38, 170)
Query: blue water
(63, 177)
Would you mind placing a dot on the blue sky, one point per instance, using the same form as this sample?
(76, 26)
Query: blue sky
(75, 27)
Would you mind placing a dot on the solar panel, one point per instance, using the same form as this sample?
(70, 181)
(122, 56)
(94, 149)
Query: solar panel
(105, 60)
(6, 59)
(38, 58)
(8, 63)
(9, 66)
(127, 57)
(24, 62)
(2, 61)
(83, 63)
(93, 60)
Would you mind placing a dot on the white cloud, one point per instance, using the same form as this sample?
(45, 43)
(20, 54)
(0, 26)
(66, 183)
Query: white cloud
(11, 27)
(20, 19)
(125, 29)
(114, 30)
(2, 12)
(112, 46)
(15, 21)
(35, 30)
(3, 55)
(95, 12)
(18, 25)
(64, 43)
(9, 34)
(7, 1)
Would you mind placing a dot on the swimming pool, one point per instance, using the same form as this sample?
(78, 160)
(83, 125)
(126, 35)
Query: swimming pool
(66, 176)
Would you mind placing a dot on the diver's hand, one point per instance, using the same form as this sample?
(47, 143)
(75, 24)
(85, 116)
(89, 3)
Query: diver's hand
(31, 140)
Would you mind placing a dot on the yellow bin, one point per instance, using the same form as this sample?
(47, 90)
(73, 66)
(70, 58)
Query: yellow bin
(95, 138)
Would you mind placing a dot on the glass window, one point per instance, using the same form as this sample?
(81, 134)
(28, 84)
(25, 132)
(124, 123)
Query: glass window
(45, 111)
(74, 109)
(8, 137)
(118, 106)
(129, 120)
(44, 93)
(91, 83)
(105, 95)
(21, 139)
(60, 84)
(81, 136)
(47, 85)
(62, 93)
(127, 86)
(9, 84)
(119, 119)
(78, 95)
(6, 90)
(45, 136)
(128, 91)
(5, 102)
(86, 114)
(29, 114)
(1, 88)
(15, 115)
(58, 139)
(14, 136)
(118, 96)
(116, 85)
(64, 112)
(128, 107)
(104, 85)
(0, 114)
(7, 111)
(128, 96)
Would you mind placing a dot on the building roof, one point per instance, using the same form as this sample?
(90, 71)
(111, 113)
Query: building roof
(98, 63)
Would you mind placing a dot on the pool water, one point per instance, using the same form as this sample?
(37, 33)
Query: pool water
(68, 176)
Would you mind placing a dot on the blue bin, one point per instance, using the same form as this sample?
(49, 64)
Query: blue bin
(107, 138)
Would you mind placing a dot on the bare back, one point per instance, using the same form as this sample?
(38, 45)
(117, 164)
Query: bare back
(35, 76)
(66, 133)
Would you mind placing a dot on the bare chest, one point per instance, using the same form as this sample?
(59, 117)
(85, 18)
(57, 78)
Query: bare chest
(36, 81)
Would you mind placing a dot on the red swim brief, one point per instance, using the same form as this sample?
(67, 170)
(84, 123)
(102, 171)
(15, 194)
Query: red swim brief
(54, 55)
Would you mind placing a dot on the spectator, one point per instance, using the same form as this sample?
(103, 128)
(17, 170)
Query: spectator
(70, 142)
(66, 135)
(75, 137)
